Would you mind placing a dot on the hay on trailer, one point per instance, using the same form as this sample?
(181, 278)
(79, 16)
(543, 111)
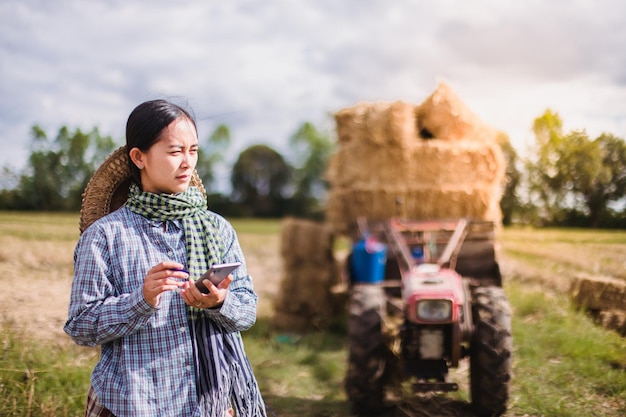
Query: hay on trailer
(437, 160)
(366, 165)
(379, 124)
(426, 163)
(446, 117)
(346, 205)
(598, 293)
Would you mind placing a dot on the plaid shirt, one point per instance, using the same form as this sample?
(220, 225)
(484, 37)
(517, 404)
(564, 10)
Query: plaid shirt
(147, 365)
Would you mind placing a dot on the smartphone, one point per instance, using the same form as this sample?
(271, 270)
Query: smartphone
(216, 274)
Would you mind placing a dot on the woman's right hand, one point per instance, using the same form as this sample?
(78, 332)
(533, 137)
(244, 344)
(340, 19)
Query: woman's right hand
(166, 276)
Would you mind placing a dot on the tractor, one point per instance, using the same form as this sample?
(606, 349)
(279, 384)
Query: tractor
(426, 295)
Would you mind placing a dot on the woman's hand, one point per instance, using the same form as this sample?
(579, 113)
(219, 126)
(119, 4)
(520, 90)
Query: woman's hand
(166, 276)
(195, 298)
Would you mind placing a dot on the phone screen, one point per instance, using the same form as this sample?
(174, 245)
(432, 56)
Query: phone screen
(216, 274)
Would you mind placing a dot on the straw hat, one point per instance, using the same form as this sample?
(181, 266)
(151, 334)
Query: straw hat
(107, 190)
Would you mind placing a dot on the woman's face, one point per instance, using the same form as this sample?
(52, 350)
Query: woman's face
(168, 165)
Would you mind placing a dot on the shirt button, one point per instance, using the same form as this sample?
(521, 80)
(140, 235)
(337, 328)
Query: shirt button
(188, 368)
(183, 330)
(170, 253)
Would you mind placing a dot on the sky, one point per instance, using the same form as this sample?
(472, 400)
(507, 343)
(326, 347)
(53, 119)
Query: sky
(265, 67)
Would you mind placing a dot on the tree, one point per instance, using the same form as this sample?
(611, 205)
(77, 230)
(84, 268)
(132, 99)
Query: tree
(313, 149)
(544, 184)
(609, 185)
(573, 175)
(58, 170)
(260, 181)
(209, 157)
(510, 202)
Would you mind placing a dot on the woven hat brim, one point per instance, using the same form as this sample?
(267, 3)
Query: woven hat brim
(108, 188)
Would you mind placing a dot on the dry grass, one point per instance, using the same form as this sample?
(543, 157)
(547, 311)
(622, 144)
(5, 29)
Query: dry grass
(553, 257)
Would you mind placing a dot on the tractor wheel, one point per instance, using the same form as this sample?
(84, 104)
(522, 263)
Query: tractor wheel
(366, 357)
(490, 351)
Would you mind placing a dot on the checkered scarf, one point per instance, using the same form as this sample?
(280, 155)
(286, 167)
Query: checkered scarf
(223, 373)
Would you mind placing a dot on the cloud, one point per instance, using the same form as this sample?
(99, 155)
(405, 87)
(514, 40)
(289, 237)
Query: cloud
(263, 68)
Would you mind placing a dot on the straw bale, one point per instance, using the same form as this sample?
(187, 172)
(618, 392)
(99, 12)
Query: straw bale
(305, 242)
(403, 175)
(598, 293)
(446, 117)
(306, 298)
(613, 320)
(365, 164)
(425, 163)
(295, 323)
(310, 272)
(441, 164)
(345, 205)
(378, 123)
(305, 290)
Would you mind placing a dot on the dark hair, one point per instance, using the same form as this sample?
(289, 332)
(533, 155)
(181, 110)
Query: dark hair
(145, 124)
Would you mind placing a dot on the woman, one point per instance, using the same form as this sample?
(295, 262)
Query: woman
(167, 349)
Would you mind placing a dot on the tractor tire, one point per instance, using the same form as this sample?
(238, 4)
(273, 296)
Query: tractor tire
(364, 383)
(490, 351)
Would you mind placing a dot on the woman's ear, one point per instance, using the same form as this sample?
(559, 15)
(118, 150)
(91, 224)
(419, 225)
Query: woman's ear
(136, 156)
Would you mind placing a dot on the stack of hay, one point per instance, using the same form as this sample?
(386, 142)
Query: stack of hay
(305, 300)
(436, 160)
(604, 298)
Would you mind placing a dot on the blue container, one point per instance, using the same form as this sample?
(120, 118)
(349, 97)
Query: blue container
(368, 260)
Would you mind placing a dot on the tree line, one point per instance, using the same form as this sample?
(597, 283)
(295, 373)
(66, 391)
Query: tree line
(263, 183)
(567, 179)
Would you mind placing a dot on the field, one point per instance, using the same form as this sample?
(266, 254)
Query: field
(564, 365)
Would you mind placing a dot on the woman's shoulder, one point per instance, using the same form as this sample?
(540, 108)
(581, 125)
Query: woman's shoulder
(113, 223)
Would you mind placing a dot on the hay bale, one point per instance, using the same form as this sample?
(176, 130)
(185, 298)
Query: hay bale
(446, 117)
(306, 296)
(385, 167)
(295, 323)
(445, 164)
(378, 123)
(424, 163)
(305, 299)
(613, 320)
(306, 290)
(346, 205)
(306, 242)
(366, 165)
(598, 293)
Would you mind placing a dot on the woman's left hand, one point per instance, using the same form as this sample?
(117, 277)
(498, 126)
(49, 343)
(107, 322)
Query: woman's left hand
(215, 297)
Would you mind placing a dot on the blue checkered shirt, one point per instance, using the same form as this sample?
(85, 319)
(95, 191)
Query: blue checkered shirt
(147, 363)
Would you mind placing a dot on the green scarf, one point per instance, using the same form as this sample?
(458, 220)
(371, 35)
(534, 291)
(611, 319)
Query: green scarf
(223, 374)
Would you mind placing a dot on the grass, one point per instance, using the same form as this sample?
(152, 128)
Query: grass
(40, 380)
(564, 365)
